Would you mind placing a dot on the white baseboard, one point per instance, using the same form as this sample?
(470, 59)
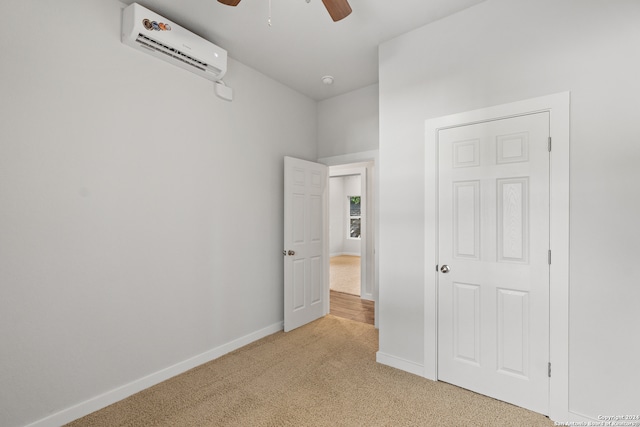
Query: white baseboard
(98, 402)
(399, 363)
(345, 253)
(367, 297)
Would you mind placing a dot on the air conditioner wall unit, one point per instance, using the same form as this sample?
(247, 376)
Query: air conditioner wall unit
(149, 32)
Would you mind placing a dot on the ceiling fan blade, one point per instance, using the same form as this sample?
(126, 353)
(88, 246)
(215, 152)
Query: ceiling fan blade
(230, 2)
(338, 9)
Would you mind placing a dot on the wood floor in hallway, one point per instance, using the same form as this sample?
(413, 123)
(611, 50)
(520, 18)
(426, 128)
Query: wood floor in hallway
(351, 307)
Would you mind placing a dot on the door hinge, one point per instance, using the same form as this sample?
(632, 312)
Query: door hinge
(549, 370)
(549, 145)
(549, 257)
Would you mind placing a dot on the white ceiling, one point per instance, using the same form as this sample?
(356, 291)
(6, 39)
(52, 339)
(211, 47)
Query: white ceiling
(303, 43)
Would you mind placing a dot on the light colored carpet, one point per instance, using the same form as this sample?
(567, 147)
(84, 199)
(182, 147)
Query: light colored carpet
(345, 274)
(322, 374)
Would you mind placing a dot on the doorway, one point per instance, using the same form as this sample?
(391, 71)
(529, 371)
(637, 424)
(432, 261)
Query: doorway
(306, 219)
(351, 242)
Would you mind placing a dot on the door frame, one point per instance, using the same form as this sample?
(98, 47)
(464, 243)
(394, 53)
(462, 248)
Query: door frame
(558, 106)
(368, 160)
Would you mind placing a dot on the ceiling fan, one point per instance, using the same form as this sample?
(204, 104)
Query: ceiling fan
(338, 9)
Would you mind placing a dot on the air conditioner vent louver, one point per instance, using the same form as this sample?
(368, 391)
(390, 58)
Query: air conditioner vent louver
(159, 47)
(165, 39)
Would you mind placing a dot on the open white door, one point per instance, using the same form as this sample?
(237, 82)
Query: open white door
(306, 262)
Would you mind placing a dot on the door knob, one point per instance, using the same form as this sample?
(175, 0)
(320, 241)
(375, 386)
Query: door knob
(445, 268)
(291, 252)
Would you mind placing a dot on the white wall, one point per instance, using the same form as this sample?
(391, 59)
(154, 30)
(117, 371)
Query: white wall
(336, 216)
(341, 188)
(499, 52)
(131, 199)
(348, 123)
